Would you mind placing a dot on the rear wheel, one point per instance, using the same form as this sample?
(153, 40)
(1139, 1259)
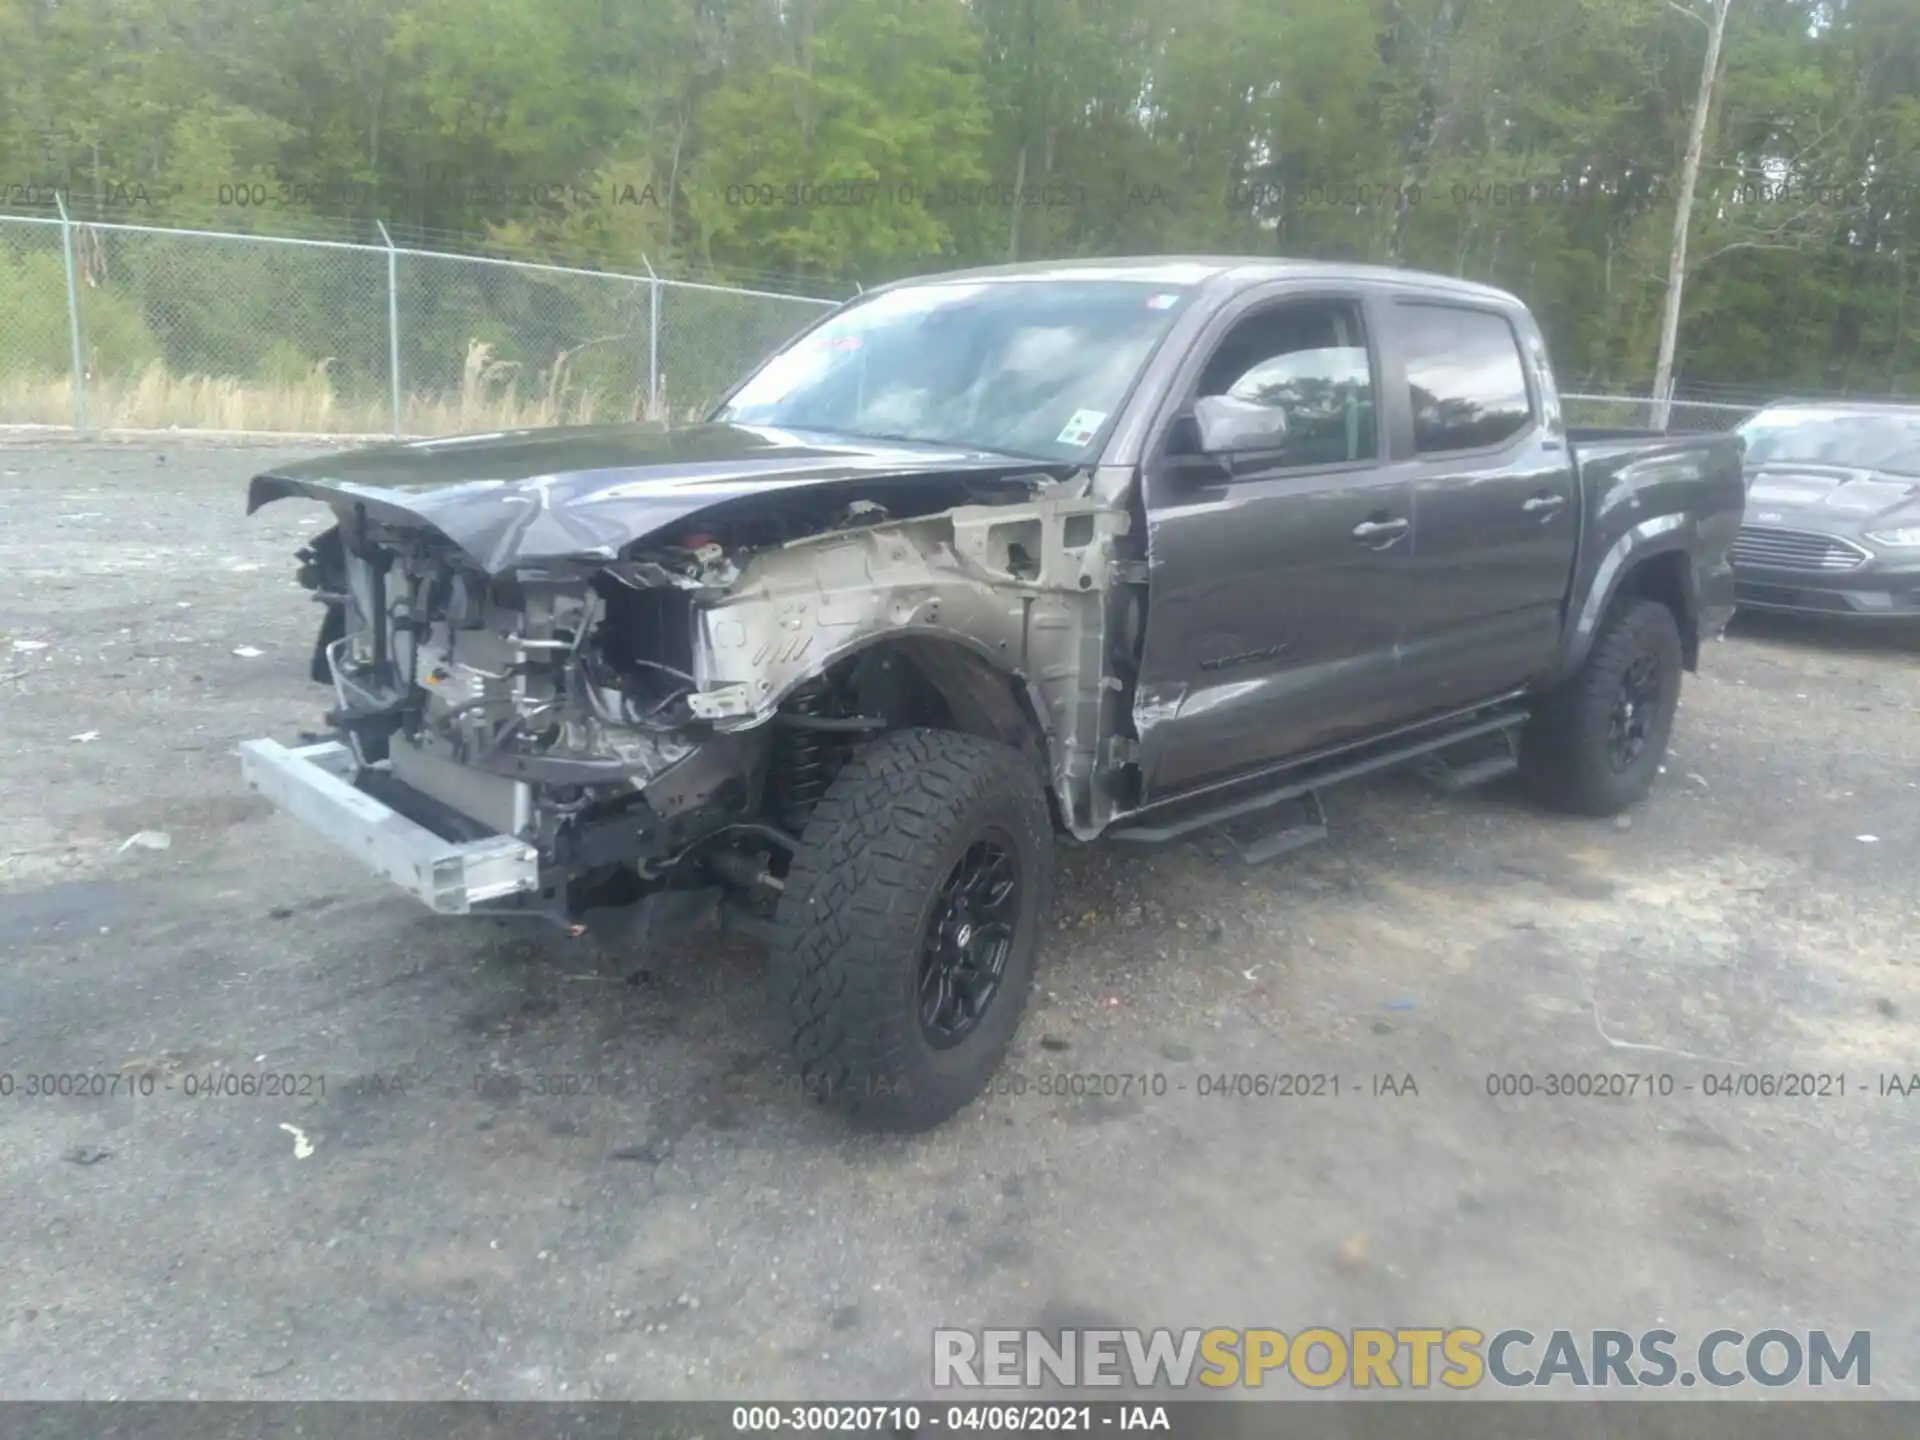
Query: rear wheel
(1596, 745)
(906, 933)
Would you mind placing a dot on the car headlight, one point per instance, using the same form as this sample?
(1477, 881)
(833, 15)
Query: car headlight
(1906, 537)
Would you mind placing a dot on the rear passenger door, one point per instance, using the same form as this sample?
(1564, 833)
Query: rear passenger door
(1495, 517)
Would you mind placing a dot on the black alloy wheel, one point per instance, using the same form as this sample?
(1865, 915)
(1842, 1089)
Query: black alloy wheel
(969, 935)
(1594, 744)
(905, 940)
(1635, 707)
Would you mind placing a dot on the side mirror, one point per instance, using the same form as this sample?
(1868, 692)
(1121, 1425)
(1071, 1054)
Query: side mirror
(1228, 426)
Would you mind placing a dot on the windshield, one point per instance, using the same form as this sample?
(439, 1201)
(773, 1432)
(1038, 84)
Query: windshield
(1023, 367)
(1858, 439)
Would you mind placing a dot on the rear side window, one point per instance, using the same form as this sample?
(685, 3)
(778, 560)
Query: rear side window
(1465, 378)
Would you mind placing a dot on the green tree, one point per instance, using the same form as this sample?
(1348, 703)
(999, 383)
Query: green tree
(798, 162)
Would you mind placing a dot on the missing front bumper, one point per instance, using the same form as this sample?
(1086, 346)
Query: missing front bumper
(314, 785)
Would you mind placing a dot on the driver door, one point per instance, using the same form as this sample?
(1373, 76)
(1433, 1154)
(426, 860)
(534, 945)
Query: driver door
(1280, 564)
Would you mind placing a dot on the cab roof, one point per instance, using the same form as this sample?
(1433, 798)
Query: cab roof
(1227, 271)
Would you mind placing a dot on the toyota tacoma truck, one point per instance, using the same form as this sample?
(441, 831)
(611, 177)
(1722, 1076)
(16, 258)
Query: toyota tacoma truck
(1127, 550)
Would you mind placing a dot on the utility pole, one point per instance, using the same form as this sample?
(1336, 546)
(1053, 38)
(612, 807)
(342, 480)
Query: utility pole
(1683, 213)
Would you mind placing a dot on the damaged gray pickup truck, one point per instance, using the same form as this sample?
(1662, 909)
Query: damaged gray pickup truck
(1122, 549)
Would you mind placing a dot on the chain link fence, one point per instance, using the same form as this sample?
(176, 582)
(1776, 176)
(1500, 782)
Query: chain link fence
(126, 327)
(1637, 412)
(37, 353)
(129, 327)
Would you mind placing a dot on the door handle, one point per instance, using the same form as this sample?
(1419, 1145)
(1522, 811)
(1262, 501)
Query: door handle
(1544, 504)
(1380, 529)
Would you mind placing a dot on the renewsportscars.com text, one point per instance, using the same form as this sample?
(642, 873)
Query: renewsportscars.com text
(1417, 1358)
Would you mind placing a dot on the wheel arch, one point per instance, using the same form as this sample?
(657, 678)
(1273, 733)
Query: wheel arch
(1665, 576)
(971, 691)
(1652, 561)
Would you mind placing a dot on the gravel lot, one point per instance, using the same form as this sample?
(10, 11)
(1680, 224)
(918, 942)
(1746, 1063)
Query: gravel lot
(699, 1233)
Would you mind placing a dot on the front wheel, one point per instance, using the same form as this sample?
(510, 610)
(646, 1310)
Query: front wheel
(905, 936)
(1596, 744)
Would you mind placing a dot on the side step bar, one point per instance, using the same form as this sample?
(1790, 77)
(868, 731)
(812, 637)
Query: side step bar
(1449, 777)
(1307, 827)
(1304, 785)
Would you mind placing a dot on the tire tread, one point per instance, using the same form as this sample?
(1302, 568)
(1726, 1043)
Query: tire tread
(853, 896)
(1562, 750)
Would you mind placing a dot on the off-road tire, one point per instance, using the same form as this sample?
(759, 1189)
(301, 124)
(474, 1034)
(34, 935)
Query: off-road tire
(848, 930)
(1564, 749)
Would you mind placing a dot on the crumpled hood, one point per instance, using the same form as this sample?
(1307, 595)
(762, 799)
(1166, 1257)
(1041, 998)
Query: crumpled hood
(1831, 498)
(587, 492)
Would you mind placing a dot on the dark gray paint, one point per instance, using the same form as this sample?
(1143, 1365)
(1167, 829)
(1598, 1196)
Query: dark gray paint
(1327, 640)
(1495, 532)
(1645, 499)
(1271, 631)
(1844, 501)
(585, 493)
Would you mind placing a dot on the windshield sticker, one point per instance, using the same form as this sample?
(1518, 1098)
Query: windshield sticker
(1163, 302)
(1084, 425)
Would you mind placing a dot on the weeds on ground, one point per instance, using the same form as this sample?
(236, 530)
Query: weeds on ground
(489, 396)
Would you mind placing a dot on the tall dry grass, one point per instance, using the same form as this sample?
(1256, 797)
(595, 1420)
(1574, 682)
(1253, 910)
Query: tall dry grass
(489, 397)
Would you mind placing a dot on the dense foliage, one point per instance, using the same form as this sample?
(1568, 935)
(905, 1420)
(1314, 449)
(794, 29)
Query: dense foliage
(826, 142)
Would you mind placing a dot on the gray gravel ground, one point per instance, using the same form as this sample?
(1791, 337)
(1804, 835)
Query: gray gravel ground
(697, 1232)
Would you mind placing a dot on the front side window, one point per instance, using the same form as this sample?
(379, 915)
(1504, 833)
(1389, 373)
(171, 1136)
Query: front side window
(1310, 362)
(1017, 366)
(1464, 377)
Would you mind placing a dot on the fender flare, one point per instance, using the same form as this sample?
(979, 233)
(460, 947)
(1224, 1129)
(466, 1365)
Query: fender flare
(1650, 539)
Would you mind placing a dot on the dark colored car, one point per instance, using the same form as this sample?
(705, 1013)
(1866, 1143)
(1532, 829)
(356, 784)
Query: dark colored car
(1833, 511)
(1121, 549)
